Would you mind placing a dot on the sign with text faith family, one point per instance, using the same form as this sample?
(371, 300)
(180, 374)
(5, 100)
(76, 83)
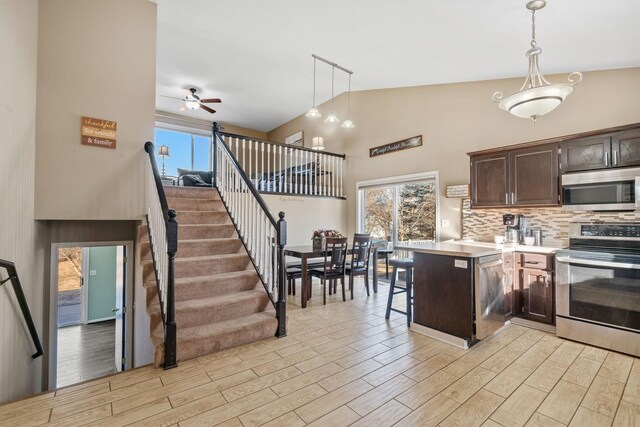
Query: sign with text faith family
(99, 132)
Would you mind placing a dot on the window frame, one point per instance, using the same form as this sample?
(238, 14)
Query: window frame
(395, 181)
(193, 132)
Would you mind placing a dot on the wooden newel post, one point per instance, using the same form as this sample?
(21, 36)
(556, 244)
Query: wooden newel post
(170, 340)
(214, 148)
(281, 303)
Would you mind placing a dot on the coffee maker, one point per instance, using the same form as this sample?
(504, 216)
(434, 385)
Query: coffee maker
(513, 231)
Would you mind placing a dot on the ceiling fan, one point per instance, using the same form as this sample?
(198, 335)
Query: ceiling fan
(193, 101)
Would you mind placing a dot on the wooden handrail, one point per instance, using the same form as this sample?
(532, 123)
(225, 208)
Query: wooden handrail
(328, 153)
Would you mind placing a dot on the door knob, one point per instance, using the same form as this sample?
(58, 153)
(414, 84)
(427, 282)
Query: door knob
(115, 310)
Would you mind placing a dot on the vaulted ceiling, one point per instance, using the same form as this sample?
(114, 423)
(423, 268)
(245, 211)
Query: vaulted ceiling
(256, 54)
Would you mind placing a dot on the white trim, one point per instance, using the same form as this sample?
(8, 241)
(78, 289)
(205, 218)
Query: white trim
(440, 336)
(104, 319)
(184, 124)
(53, 304)
(396, 180)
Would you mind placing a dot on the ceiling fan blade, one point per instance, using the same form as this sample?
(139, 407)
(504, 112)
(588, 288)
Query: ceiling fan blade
(211, 100)
(184, 107)
(205, 108)
(172, 97)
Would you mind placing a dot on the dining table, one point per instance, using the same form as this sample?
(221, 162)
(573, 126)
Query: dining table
(307, 252)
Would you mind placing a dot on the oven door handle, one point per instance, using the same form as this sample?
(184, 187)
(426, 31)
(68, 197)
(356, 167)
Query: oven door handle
(625, 265)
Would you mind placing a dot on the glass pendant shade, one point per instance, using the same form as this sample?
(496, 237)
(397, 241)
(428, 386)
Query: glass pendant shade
(332, 118)
(537, 96)
(317, 143)
(313, 113)
(347, 124)
(192, 105)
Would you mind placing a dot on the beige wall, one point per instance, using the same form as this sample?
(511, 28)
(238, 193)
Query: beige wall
(305, 214)
(19, 233)
(455, 119)
(95, 58)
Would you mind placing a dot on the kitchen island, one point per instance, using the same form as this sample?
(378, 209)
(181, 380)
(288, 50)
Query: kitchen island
(458, 291)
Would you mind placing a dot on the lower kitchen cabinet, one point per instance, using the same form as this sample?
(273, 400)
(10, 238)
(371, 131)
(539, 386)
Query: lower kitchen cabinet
(509, 285)
(533, 289)
(536, 287)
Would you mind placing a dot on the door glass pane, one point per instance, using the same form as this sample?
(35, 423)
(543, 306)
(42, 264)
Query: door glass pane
(378, 213)
(201, 153)
(416, 216)
(179, 151)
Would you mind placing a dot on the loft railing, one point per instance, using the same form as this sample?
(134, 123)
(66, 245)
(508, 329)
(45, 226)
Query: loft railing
(279, 168)
(163, 239)
(263, 236)
(22, 302)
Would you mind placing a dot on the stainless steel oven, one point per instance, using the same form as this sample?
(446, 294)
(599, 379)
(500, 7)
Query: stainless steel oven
(603, 190)
(598, 286)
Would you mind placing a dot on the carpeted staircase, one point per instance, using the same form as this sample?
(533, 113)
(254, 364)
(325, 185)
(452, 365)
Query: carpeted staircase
(220, 301)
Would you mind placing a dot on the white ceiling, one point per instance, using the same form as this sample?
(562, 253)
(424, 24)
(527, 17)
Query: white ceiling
(256, 54)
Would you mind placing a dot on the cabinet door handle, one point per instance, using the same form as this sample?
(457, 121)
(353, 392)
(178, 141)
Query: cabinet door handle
(506, 198)
(615, 158)
(606, 159)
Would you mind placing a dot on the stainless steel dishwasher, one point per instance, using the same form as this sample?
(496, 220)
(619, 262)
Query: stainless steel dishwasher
(489, 295)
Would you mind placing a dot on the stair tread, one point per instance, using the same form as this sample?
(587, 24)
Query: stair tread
(208, 225)
(194, 304)
(209, 330)
(217, 277)
(202, 258)
(215, 239)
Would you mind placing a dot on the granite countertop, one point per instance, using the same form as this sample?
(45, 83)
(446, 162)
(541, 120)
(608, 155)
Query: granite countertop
(472, 249)
(461, 249)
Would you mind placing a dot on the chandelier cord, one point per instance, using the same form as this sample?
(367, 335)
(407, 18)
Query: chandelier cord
(349, 97)
(333, 70)
(314, 82)
(533, 28)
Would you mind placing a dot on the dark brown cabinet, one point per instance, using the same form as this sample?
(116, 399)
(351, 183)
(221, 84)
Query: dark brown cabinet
(534, 176)
(614, 150)
(535, 290)
(520, 177)
(625, 147)
(490, 181)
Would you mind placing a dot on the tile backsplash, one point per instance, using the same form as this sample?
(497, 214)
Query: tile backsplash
(483, 224)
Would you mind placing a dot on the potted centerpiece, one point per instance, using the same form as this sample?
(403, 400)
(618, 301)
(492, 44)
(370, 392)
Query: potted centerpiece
(319, 237)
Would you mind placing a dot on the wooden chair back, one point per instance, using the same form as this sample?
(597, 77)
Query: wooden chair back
(361, 251)
(335, 256)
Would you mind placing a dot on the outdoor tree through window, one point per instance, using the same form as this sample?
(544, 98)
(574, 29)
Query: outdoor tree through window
(400, 213)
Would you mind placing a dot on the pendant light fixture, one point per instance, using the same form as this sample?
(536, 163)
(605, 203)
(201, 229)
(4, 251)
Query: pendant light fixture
(537, 96)
(348, 124)
(313, 113)
(317, 143)
(332, 118)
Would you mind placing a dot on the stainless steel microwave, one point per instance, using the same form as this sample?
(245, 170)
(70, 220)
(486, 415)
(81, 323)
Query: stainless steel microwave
(603, 190)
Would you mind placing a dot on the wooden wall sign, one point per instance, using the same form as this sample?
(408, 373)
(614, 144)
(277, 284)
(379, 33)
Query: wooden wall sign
(413, 142)
(461, 190)
(98, 132)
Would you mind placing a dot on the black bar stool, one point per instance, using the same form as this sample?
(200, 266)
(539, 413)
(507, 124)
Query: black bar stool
(405, 264)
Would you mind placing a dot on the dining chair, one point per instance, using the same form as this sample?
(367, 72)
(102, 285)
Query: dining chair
(359, 265)
(335, 258)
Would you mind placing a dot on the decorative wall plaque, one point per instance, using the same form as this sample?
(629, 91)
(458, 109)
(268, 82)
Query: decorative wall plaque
(98, 132)
(413, 142)
(461, 190)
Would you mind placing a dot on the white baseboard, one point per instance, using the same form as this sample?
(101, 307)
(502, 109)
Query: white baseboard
(440, 336)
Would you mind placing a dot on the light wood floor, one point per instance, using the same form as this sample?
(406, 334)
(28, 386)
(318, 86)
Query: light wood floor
(344, 364)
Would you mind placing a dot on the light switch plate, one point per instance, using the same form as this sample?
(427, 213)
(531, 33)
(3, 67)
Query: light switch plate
(460, 263)
(92, 272)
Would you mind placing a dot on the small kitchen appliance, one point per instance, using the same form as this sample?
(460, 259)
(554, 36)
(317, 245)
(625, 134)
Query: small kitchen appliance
(512, 231)
(598, 286)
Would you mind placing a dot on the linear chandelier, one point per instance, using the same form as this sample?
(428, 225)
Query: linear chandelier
(537, 96)
(314, 113)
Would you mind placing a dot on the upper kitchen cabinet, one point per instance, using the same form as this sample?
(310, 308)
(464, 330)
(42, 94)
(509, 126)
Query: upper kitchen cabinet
(490, 181)
(585, 154)
(626, 148)
(534, 176)
(520, 177)
(618, 149)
